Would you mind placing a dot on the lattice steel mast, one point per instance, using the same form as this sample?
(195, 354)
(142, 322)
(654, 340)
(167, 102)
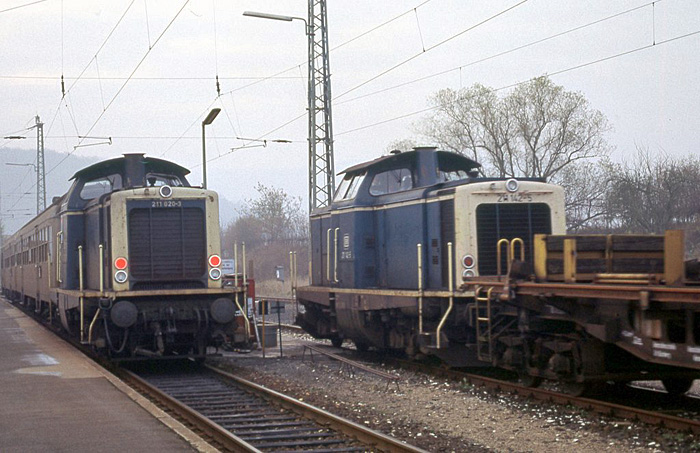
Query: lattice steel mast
(321, 167)
(40, 168)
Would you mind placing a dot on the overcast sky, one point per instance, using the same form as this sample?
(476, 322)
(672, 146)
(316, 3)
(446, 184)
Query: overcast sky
(637, 62)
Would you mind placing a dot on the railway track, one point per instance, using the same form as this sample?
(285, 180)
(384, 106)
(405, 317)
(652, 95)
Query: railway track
(239, 415)
(612, 406)
(612, 409)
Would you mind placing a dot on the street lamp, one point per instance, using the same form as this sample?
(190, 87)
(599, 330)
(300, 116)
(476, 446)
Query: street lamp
(274, 17)
(320, 134)
(208, 120)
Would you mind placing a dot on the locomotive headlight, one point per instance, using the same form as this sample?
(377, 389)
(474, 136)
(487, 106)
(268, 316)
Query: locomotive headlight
(468, 261)
(512, 185)
(468, 273)
(120, 276)
(215, 273)
(166, 191)
(215, 261)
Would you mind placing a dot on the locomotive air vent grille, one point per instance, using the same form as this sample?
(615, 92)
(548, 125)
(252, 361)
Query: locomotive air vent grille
(167, 243)
(508, 221)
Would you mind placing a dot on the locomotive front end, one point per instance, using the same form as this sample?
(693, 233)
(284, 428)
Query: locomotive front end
(497, 219)
(164, 268)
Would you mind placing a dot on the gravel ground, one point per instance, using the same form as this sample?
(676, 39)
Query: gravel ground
(442, 416)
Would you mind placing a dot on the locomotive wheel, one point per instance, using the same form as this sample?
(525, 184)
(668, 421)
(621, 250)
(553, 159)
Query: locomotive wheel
(588, 388)
(574, 388)
(529, 380)
(362, 347)
(336, 342)
(677, 386)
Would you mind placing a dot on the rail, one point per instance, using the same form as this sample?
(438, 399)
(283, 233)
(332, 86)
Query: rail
(352, 364)
(240, 415)
(602, 407)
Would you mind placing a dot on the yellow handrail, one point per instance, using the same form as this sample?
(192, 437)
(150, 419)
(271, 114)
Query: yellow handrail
(80, 283)
(420, 288)
(450, 279)
(328, 255)
(498, 255)
(335, 256)
(522, 249)
(102, 270)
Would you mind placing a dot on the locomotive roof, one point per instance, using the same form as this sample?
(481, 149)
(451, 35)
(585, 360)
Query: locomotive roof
(117, 165)
(452, 159)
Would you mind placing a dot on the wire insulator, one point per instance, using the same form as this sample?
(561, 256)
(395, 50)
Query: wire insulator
(63, 88)
(218, 87)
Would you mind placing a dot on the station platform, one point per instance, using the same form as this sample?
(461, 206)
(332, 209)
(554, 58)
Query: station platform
(53, 398)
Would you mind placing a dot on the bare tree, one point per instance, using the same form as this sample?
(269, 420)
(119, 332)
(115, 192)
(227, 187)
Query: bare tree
(472, 122)
(401, 145)
(535, 131)
(653, 193)
(587, 188)
(538, 130)
(554, 128)
(271, 225)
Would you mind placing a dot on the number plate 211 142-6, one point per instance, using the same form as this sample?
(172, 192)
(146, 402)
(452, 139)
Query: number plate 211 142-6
(515, 198)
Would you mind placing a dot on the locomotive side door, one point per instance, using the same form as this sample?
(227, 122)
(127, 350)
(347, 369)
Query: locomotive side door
(322, 251)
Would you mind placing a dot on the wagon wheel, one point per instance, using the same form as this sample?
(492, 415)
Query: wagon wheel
(336, 342)
(677, 386)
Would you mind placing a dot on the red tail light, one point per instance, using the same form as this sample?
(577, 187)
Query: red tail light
(121, 263)
(215, 261)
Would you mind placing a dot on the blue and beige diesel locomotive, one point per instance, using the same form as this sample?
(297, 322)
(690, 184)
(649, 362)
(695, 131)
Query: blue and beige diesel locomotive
(128, 261)
(386, 248)
(417, 253)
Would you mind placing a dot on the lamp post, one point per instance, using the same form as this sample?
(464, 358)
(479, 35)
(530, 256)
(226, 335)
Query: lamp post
(321, 181)
(208, 120)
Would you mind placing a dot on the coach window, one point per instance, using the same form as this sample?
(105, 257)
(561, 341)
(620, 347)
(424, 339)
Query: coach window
(391, 181)
(100, 186)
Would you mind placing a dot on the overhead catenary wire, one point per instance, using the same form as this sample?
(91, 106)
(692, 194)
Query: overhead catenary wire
(498, 54)
(361, 35)
(121, 88)
(513, 85)
(21, 6)
(167, 27)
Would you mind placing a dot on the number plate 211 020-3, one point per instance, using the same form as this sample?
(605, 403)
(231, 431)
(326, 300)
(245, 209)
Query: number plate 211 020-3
(166, 204)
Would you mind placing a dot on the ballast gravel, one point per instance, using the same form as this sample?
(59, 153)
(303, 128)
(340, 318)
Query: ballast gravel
(443, 416)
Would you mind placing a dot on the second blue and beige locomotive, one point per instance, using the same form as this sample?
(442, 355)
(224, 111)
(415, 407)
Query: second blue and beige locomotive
(398, 225)
(418, 253)
(128, 261)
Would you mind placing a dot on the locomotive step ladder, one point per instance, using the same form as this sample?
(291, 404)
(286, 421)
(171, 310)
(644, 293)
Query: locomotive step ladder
(484, 327)
(489, 324)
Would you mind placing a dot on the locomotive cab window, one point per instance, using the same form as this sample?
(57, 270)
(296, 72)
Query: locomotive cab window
(100, 186)
(454, 175)
(347, 190)
(391, 181)
(157, 180)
